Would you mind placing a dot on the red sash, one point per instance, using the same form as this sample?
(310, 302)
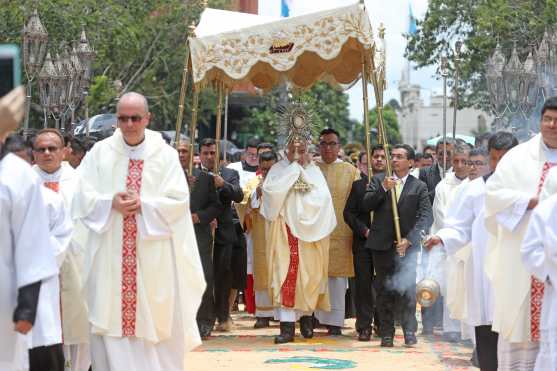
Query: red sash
(129, 254)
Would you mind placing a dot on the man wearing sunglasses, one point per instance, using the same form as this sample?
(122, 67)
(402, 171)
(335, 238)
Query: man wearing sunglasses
(143, 274)
(61, 178)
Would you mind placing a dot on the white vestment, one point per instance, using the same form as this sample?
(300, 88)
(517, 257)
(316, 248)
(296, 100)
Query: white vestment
(310, 217)
(441, 266)
(509, 189)
(539, 254)
(26, 256)
(168, 274)
(515, 181)
(48, 326)
(75, 327)
(465, 225)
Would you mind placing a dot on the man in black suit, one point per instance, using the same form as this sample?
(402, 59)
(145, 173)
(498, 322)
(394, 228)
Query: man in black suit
(228, 188)
(395, 264)
(359, 221)
(431, 176)
(204, 206)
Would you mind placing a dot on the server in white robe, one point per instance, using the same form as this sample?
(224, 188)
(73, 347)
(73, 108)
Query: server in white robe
(46, 350)
(439, 263)
(539, 254)
(143, 275)
(465, 225)
(26, 257)
(512, 192)
(60, 177)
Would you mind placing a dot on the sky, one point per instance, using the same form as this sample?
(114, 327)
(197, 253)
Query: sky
(394, 16)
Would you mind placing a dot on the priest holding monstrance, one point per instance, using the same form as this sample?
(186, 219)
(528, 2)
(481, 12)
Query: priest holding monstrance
(298, 208)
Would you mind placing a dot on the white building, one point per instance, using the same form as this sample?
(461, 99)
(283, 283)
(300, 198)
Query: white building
(418, 122)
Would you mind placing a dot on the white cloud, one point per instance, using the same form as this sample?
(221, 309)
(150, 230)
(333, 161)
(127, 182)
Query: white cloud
(395, 19)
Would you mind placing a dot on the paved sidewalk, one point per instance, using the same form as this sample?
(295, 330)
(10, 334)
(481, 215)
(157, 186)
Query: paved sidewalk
(248, 349)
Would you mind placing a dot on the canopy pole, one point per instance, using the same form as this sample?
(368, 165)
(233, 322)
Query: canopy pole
(183, 88)
(378, 79)
(225, 126)
(366, 118)
(218, 130)
(193, 127)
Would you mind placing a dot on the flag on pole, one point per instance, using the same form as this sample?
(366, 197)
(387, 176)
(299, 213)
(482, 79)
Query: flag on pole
(412, 28)
(285, 7)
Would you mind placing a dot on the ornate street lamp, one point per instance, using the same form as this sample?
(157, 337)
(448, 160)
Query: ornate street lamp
(35, 40)
(86, 55)
(516, 88)
(495, 84)
(50, 87)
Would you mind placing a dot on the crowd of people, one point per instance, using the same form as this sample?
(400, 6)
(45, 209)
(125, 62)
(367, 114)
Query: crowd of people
(103, 269)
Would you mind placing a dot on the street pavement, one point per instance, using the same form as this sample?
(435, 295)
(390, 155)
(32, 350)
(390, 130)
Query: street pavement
(248, 349)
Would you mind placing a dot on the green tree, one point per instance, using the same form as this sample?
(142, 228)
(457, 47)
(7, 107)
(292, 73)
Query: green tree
(391, 126)
(480, 24)
(140, 46)
(330, 108)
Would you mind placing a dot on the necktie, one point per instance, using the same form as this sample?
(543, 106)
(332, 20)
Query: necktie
(537, 287)
(398, 189)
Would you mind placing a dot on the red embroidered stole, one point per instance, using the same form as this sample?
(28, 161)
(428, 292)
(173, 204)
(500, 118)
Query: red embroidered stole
(129, 254)
(537, 286)
(55, 186)
(288, 289)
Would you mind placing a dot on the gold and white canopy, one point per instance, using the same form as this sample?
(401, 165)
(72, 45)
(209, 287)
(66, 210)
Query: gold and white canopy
(237, 48)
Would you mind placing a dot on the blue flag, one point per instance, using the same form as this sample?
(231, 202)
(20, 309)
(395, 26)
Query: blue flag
(285, 8)
(412, 28)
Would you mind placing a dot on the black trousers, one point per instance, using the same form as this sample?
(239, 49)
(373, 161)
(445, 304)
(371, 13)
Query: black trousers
(486, 346)
(223, 280)
(206, 311)
(396, 290)
(49, 358)
(239, 261)
(363, 269)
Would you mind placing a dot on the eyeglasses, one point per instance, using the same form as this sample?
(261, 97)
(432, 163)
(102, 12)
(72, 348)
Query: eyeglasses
(124, 119)
(328, 144)
(548, 119)
(44, 149)
(475, 163)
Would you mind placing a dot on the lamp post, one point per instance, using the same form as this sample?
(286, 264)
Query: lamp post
(35, 40)
(86, 55)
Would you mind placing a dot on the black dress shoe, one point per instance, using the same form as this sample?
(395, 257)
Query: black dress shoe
(286, 333)
(410, 339)
(205, 331)
(306, 326)
(387, 342)
(334, 330)
(364, 335)
(261, 322)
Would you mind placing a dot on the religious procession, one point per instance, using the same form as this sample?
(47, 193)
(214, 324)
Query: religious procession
(197, 195)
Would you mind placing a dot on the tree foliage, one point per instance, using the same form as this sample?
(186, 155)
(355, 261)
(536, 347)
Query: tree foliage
(140, 46)
(330, 108)
(480, 24)
(390, 120)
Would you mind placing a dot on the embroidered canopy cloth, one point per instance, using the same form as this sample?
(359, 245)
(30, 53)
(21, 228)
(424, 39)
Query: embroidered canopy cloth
(327, 45)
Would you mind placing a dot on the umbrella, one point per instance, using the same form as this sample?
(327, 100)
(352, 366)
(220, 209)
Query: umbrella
(467, 138)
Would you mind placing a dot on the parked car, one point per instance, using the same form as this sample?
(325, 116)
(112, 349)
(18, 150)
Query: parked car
(100, 126)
